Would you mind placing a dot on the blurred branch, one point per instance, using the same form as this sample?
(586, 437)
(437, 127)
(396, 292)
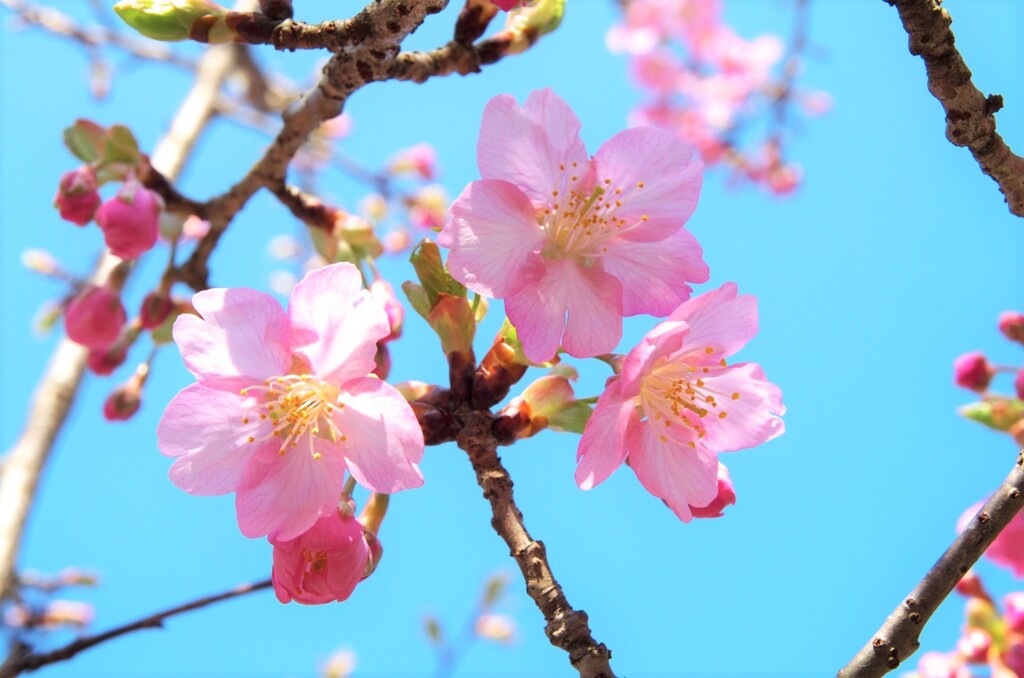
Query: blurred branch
(970, 115)
(566, 628)
(59, 23)
(897, 639)
(22, 659)
(57, 389)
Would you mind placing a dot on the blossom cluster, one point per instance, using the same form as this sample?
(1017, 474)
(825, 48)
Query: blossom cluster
(705, 82)
(973, 371)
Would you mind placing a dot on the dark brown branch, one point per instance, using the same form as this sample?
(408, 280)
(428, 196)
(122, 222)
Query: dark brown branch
(970, 115)
(307, 208)
(566, 628)
(22, 659)
(898, 637)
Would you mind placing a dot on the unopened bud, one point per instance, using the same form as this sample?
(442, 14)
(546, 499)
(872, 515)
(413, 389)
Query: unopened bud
(497, 627)
(104, 361)
(973, 371)
(77, 196)
(1011, 324)
(726, 497)
(174, 20)
(95, 316)
(998, 413)
(970, 586)
(125, 400)
(130, 220)
(40, 261)
(156, 307)
(1018, 384)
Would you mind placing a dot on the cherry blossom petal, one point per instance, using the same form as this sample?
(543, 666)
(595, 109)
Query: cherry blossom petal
(666, 338)
(382, 439)
(654, 275)
(539, 320)
(752, 405)
(594, 302)
(339, 344)
(603, 445)
(293, 491)
(528, 146)
(203, 428)
(241, 339)
(493, 238)
(659, 177)
(719, 319)
(678, 474)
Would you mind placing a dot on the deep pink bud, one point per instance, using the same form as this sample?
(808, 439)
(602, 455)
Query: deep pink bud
(1018, 384)
(970, 585)
(130, 220)
(123, 402)
(382, 362)
(507, 5)
(384, 293)
(77, 197)
(973, 646)
(104, 361)
(1011, 324)
(94, 318)
(155, 309)
(323, 564)
(972, 371)
(726, 497)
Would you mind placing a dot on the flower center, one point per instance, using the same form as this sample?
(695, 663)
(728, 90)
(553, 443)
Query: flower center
(298, 406)
(676, 394)
(580, 223)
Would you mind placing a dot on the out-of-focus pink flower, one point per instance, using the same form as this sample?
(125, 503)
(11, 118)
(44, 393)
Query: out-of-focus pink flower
(130, 220)
(1011, 324)
(1008, 548)
(384, 293)
(124, 401)
(77, 196)
(1018, 384)
(726, 497)
(677, 404)
(420, 159)
(1013, 611)
(974, 645)
(397, 241)
(497, 627)
(555, 233)
(972, 371)
(104, 361)
(428, 208)
(156, 307)
(940, 665)
(284, 404)
(95, 316)
(324, 563)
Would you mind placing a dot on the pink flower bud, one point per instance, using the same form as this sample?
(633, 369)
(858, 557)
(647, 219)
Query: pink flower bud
(972, 371)
(726, 497)
(77, 197)
(94, 318)
(1011, 324)
(130, 220)
(420, 159)
(323, 564)
(124, 401)
(384, 293)
(973, 646)
(970, 585)
(155, 309)
(1013, 611)
(104, 361)
(1018, 384)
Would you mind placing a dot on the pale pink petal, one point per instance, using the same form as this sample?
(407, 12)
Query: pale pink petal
(203, 428)
(529, 146)
(752, 405)
(678, 474)
(293, 491)
(241, 339)
(335, 323)
(594, 302)
(654, 275)
(603, 445)
(659, 177)
(493, 238)
(719, 319)
(539, 320)
(382, 439)
(666, 338)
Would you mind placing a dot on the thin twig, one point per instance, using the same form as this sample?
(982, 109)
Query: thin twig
(970, 115)
(897, 639)
(23, 660)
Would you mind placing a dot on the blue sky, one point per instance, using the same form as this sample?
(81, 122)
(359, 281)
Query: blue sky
(894, 257)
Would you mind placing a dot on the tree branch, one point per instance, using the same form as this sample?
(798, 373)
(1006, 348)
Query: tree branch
(22, 659)
(56, 390)
(566, 628)
(898, 637)
(970, 115)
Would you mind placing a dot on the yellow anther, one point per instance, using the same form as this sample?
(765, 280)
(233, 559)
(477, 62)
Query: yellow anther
(639, 184)
(251, 439)
(735, 396)
(723, 415)
(709, 350)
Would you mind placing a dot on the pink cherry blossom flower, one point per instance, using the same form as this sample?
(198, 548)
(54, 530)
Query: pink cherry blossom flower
(284, 403)
(77, 197)
(1008, 548)
(324, 563)
(677, 404)
(95, 316)
(130, 220)
(420, 159)
(555, 233)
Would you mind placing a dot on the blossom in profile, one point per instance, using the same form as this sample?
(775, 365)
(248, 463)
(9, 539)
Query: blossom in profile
(284, 403)
(677, 404)
(1008, 548)
(324, 563)
(573, 243)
